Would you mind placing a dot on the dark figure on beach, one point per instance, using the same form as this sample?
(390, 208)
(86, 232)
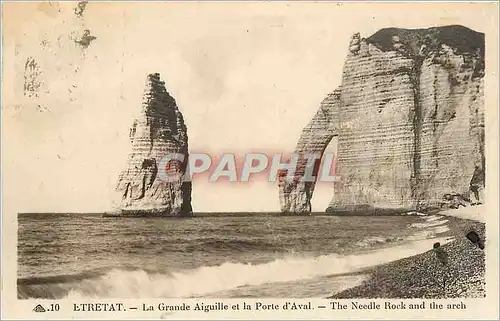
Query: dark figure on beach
(443, 258)
(477, 184)
(475, 239)
(440, 253)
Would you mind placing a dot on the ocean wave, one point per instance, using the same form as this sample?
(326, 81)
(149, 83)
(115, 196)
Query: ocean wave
(440, 229)
(374, 240)
(54, 279)
(240, 245)
(431, 223)
(119, 283)
(433, 218)
(434, 226)
(320, 287)
(428, 233)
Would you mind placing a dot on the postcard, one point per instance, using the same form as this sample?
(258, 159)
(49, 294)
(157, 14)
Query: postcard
(249, 160)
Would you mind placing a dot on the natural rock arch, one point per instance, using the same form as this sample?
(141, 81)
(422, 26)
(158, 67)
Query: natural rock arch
(409, 116)
(296, 195)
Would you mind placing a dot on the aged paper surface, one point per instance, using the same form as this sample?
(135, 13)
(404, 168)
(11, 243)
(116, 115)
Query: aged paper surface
(249, 160)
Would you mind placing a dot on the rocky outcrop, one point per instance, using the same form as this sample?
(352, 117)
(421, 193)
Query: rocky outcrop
(296, 194)
(158, 131)
(410, 121)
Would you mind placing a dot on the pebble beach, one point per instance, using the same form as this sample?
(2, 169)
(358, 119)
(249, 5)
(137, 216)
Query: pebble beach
(453, 270)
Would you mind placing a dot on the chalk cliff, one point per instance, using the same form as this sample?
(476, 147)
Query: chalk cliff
(409, 120)
(159, 130)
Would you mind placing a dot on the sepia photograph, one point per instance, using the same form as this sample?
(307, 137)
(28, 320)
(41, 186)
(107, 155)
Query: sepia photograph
(188, 150)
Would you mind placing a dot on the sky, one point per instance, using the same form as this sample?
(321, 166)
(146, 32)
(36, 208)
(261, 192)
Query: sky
(246, 76)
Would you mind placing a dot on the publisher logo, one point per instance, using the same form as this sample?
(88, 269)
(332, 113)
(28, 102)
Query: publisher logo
(39, 308)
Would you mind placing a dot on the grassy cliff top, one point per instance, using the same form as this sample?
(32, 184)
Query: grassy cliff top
(462, 39)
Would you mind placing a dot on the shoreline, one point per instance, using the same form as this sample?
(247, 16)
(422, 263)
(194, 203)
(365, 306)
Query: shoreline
(470, 212)
(229, 214)
(424, 275)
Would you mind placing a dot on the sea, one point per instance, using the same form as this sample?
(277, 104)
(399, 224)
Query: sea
(219, 256)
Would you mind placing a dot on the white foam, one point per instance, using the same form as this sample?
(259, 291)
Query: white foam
(433, 218)
(429, 223)
(440, 229)
(320, 287)
(371, 241)
(212, 279)
(476, 213)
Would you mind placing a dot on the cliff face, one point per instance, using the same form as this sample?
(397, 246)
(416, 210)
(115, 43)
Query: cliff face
(159, 130)
(410, 119)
